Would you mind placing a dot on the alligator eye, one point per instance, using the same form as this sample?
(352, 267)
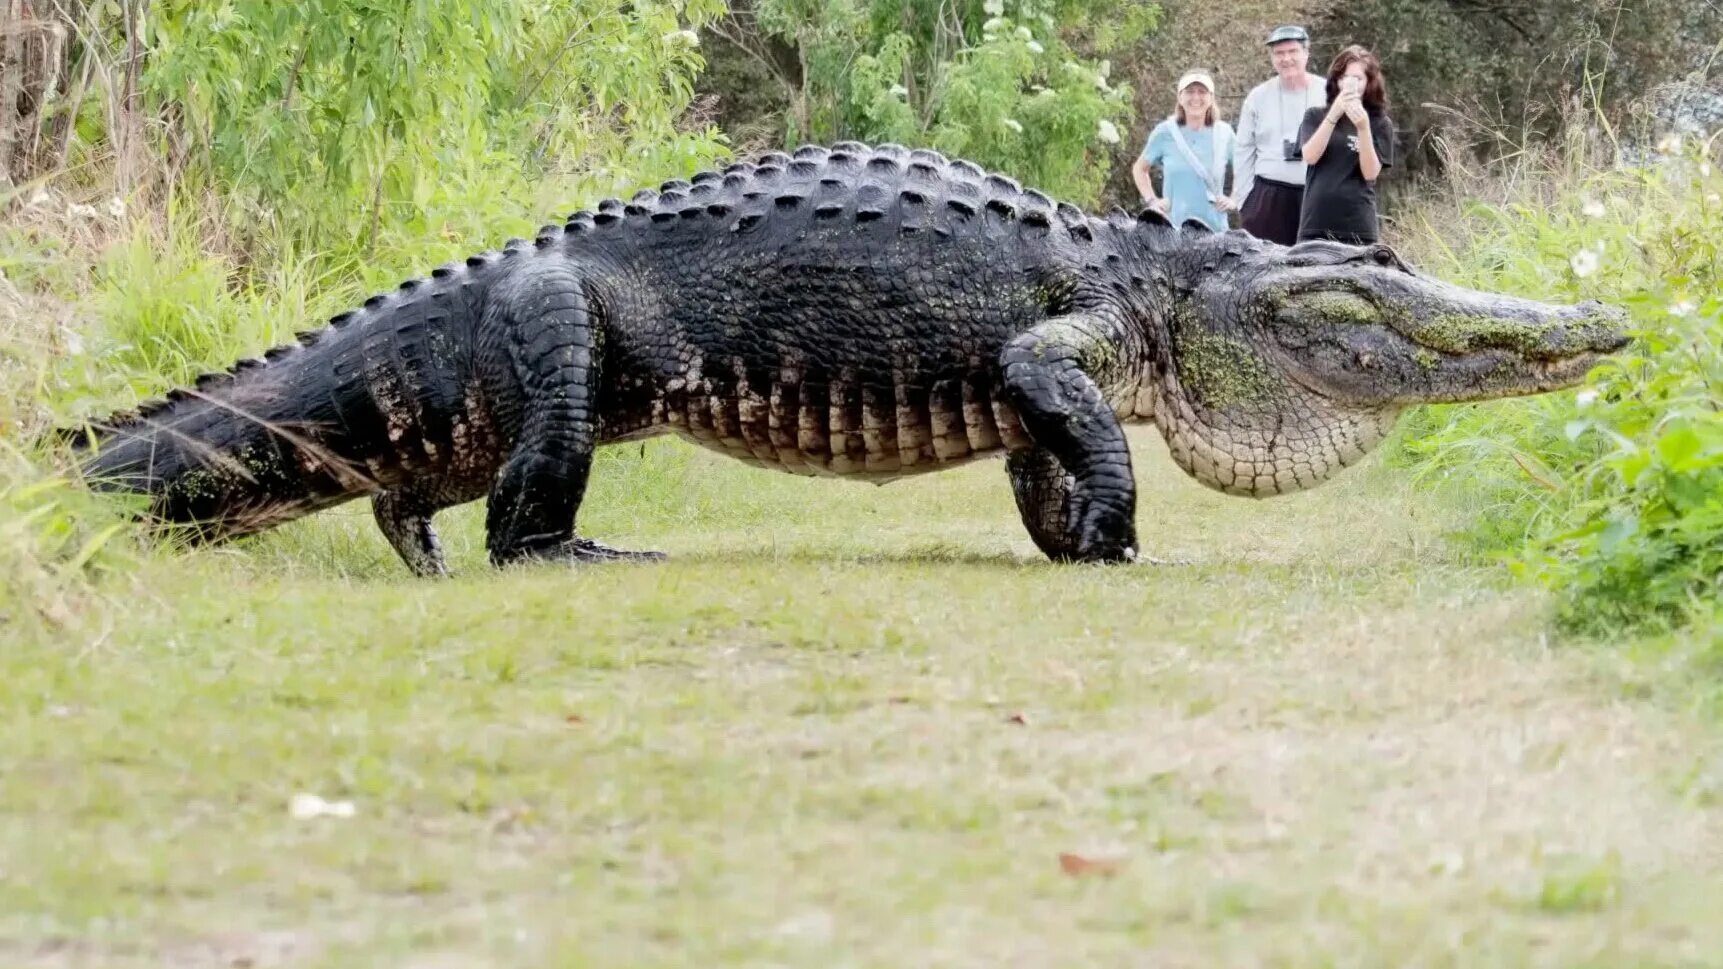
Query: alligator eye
(1385, 257)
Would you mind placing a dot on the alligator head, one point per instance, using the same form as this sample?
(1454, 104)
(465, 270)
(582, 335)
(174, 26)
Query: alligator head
(1283, 365)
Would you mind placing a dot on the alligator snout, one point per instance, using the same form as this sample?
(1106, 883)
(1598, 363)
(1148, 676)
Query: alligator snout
(1533, 331)
(1604, 326)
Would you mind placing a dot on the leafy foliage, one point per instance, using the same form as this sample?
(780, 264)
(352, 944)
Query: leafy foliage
(291, 159)
(1613, 495)
(998, 83)
(1494, 64)
(326, 119)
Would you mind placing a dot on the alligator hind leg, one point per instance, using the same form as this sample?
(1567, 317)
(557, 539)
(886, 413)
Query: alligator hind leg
(404, 516)
(553, 344)
(1075, 489)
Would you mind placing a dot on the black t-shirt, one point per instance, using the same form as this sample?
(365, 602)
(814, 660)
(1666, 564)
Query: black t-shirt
(1338, 202)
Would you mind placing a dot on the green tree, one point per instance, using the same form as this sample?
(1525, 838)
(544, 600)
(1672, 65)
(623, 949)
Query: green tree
(324, 119)
(1017, 85)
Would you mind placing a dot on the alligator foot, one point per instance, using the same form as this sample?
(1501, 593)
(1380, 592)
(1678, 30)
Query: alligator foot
(585, 551)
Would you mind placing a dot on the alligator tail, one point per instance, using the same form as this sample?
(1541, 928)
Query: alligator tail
(236, 452)
(354, 408)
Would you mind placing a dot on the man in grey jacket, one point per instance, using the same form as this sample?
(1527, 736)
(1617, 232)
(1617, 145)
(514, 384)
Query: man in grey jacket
(1268, 167)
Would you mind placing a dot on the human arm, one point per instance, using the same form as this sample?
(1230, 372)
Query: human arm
(1154, 151)
(1225, 202)
(1375, 146)
(1317, 129)
(1369, 163)
(1146, 185)
(1369, 160)
(1244, 152)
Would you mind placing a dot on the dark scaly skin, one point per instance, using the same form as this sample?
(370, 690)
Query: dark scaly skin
(855, 312)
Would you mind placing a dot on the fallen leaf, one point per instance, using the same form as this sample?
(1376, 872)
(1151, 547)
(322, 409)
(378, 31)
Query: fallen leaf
(1080, 865)
(1018, 718)
(574, 718)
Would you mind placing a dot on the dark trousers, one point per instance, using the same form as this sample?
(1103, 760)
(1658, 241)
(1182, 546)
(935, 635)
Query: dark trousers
(1348, 238)
(1271, 212)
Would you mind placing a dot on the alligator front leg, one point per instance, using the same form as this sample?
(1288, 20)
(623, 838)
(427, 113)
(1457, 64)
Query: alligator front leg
(553, 343)
(1043, 492)
(1075, 489)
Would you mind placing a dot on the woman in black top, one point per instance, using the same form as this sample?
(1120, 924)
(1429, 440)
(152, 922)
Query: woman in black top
(1346, 146)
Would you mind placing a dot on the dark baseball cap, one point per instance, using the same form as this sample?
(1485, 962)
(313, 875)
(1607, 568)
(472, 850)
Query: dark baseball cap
(1286, 33)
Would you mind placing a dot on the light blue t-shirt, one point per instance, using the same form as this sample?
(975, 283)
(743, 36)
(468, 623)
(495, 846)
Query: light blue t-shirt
(1182, 185)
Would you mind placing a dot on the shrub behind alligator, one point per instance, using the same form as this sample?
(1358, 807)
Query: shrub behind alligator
(847, 311)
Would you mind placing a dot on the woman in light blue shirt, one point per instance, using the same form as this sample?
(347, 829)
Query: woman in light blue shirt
(1192, 148)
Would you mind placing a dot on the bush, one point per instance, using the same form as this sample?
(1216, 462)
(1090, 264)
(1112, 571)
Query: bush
(998, 83)
(1611, 494)
(236, 172)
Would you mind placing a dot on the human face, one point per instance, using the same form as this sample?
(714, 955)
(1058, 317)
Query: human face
(1195, 99)
(1290, 57)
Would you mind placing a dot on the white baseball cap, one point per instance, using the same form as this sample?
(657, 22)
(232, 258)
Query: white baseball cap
(1195, 77)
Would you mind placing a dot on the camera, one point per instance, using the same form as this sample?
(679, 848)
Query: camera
(1289, 151)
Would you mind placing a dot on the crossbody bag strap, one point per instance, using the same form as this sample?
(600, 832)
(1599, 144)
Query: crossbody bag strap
(1204, 171)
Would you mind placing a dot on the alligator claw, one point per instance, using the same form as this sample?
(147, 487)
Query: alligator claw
(584, 551)
(587, 550)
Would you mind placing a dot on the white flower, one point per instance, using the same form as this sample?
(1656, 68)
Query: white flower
(74, 342)
(681, 38)
(994, 8)
(1023, 33)
(1586, 398)
(1108, 132)
(117, 207)
(303, 807)
(1013, 124)
(78, 210)
(992, 26)
(1035, 47)
(899, 91)
(1593, 209)
(1704, 169)
(1584, 263)
(40, 198)
(1682, 308)
(1670, 144)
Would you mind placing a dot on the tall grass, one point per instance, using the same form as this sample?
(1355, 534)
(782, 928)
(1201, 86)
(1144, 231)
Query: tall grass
(295, 163)
(1611, 494)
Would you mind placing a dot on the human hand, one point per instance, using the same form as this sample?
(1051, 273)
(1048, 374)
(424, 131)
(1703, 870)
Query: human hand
(1225, 204)
(1341, 105)
(1160, 205)
(1355, 111)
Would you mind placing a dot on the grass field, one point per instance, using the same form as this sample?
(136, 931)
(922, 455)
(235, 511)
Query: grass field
(859, 726)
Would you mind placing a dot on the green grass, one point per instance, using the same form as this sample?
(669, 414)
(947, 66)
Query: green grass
(850, 725)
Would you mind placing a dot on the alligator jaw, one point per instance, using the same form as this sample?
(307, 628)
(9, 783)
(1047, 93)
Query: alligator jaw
(1371, 335)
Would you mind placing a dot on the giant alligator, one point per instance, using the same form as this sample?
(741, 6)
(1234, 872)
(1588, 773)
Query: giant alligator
(855, 311)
